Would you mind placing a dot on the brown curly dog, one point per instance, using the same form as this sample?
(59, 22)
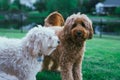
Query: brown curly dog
(77, 29)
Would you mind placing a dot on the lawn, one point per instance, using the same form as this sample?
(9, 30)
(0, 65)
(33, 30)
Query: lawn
(101, 59)
(11, 33)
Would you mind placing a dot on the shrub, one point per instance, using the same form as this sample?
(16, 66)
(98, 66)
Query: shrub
(2, 17)
(117, 11)
(37, 17)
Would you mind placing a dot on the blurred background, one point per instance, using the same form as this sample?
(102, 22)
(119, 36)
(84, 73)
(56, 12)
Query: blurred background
(102, 56)
(24, 14)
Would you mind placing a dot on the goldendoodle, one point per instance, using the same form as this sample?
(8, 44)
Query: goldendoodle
(69, 54)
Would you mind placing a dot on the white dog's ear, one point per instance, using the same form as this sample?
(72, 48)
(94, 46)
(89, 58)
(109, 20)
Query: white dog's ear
(37, 47)
(34, 45)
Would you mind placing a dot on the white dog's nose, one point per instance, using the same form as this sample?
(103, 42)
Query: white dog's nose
(58, 42)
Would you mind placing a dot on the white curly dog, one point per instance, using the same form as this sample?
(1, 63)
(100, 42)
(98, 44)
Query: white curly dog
(20, 59)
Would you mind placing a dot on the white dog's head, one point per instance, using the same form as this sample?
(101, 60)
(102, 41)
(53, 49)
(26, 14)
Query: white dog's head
(41, 41)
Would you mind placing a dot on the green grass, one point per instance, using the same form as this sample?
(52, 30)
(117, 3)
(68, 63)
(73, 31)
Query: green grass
(101, 59)
(48, 75)
(11, 33)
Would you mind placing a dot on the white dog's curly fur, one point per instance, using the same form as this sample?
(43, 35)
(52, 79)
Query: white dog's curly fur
(19, 57)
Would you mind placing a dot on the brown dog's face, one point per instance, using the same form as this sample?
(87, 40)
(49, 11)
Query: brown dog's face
(78, 28)
(78, 31)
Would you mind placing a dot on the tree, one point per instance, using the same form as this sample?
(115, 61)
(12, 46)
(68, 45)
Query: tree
(4, 4)
(15, 6)
(40, 5)
(66, 7)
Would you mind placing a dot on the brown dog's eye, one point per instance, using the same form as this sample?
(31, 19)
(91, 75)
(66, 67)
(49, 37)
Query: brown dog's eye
(83, 24)
(74, 25)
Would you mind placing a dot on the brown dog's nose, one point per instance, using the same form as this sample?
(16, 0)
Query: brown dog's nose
(79, 33)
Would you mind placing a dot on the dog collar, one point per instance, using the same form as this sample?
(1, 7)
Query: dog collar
(39, 59)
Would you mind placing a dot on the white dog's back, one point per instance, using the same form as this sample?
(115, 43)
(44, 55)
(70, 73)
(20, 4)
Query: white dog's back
(4, 76)
(6, 43)
(12, 58)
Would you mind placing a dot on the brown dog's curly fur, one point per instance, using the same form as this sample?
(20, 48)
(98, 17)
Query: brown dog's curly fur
(54, 19)
(77, 29)
(69, 54)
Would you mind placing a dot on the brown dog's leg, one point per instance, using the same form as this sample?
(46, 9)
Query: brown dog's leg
(55, 65)
(46, 62)
(66, 69)
(77, 74)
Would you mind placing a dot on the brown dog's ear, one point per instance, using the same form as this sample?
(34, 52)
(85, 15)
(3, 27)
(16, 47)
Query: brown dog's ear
(90, 33)
(90, 28)
(54, 19)
(88, 24)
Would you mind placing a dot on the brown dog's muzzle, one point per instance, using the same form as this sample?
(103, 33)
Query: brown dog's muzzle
(78, 33)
